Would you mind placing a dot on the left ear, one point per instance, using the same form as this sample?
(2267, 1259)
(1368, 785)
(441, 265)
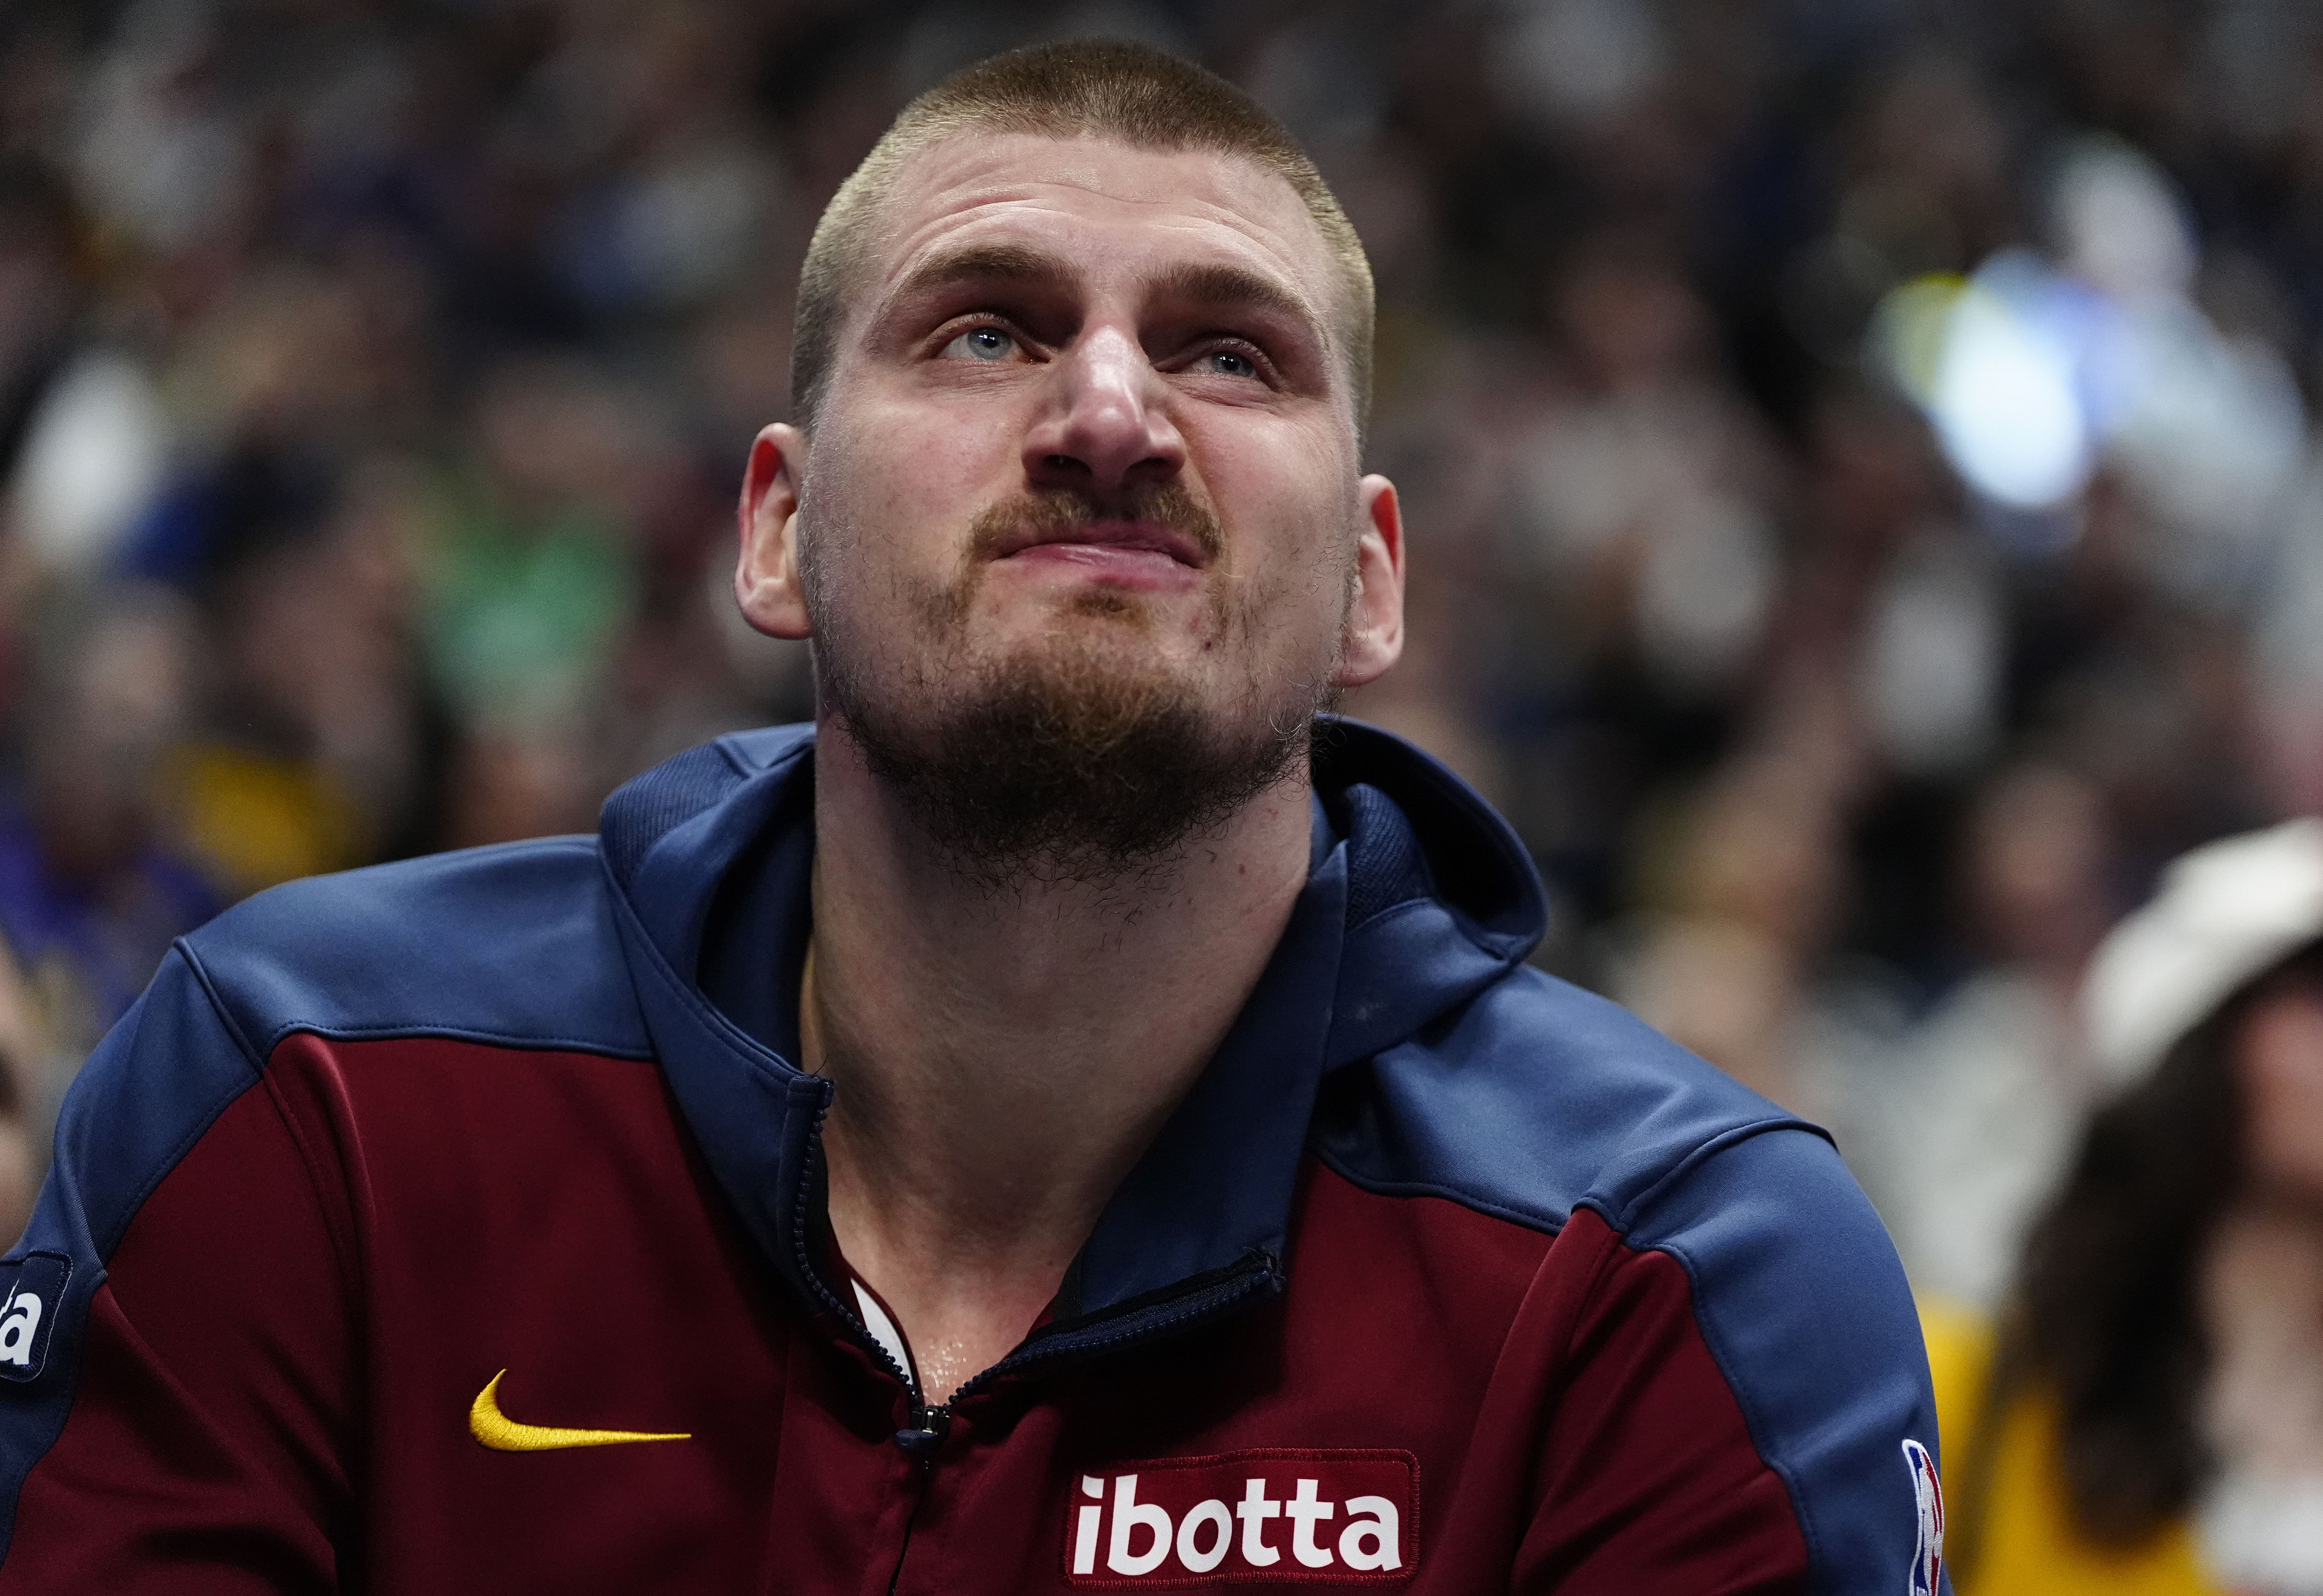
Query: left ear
(1374, 636)
(766, 575)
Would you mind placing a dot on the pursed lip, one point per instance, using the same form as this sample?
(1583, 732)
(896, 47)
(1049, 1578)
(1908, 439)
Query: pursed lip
(1129, 536)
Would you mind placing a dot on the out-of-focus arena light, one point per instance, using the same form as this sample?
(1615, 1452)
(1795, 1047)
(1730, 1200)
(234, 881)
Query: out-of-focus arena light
(1992, 361)
(2030, 373)
(2004, 403)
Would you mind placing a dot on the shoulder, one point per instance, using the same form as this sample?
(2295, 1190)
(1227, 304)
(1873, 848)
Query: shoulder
(1536, 1098)
(514, 944)
(511, 946)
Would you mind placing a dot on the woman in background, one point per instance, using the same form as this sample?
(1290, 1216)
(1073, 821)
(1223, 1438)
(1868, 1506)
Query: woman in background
(2151, 1417)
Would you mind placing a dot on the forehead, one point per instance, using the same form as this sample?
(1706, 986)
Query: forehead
(1105, 204)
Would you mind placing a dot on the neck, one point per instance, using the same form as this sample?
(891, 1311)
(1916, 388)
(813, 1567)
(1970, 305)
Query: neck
(1002, 1057)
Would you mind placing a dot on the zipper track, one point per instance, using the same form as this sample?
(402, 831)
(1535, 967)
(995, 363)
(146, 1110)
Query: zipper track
(911, 1522)
(1250, 1274)
(805, 1260)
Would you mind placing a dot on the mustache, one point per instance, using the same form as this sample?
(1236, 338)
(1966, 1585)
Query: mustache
(1053, 514)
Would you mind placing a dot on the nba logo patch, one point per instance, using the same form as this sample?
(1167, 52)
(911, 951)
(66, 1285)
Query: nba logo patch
(1928, 1559)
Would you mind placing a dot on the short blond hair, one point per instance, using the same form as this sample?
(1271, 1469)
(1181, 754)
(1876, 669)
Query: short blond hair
(1113, 89)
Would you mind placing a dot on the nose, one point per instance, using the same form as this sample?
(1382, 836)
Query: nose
(1106, 425)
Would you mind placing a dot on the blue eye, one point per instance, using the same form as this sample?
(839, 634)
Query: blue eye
(982, 344)
(1231, 363)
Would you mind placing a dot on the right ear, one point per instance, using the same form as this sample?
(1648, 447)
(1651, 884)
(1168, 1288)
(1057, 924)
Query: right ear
(766, 576)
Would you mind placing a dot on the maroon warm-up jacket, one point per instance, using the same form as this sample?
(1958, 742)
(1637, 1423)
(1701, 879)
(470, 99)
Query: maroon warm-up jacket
(458, 1225)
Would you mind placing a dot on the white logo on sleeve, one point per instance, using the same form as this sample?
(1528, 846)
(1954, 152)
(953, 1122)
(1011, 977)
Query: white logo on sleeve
(1298, 1516)
(20, 1318)
(31, 1311)
(1928, 1557)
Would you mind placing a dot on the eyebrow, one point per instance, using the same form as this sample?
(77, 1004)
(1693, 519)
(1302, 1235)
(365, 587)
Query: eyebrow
(1220, 285)
(989, 263)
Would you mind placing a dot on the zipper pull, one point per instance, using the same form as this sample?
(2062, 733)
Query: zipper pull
(925, 1432)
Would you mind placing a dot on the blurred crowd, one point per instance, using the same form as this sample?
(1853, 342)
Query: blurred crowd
(1863, 514)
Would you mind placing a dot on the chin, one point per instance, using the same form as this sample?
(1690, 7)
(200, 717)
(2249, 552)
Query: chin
(1092, 666)
(1083, 753)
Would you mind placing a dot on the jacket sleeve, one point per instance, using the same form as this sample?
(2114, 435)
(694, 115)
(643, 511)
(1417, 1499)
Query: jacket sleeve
(182, 1421)
(1748, 1406)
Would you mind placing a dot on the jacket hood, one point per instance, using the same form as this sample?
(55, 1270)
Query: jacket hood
(1442, 898)
(1419, 897)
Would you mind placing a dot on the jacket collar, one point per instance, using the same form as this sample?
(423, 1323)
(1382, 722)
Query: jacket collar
(1419, 897)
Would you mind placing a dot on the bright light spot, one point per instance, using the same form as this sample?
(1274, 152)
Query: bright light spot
(2029, 373)
(2004, 405)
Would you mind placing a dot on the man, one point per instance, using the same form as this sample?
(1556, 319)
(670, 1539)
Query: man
(1074, 1119)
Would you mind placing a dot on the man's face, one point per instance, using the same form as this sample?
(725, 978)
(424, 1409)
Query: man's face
(1087, 448)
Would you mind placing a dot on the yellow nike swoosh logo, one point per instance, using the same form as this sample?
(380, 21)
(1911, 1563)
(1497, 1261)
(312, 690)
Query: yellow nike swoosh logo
(498, 1431)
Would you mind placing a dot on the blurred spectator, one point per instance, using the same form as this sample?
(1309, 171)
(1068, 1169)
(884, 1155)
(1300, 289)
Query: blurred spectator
(317, 752)
(528, 574)
(1741, 907)
(1646, 484)
(90, 892)
(2151, 1418)
(526, 567)
(1993, 1088)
